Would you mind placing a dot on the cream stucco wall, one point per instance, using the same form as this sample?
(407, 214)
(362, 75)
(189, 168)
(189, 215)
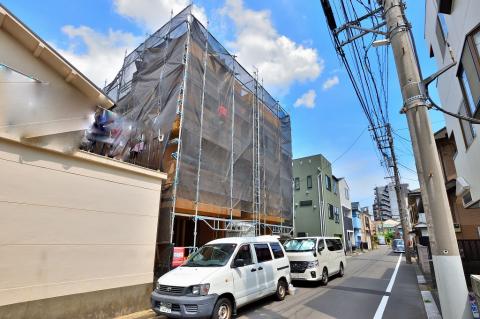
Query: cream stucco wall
(32, 109)
(73, 223)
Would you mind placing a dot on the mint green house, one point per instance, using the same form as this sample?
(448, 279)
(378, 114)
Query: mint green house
(317, 209)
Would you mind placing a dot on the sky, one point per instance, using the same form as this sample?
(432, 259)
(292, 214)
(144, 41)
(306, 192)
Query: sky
(287, 40)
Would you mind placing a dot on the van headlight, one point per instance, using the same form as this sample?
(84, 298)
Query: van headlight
(312, 264)
(200, 290)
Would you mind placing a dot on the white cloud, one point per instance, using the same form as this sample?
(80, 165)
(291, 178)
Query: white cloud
(307, 100)
(103, 55)
(362, 172)
(330, 82)
(151, 15)
(280, 61)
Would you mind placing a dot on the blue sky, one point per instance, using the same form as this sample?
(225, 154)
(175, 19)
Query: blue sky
(288, 40)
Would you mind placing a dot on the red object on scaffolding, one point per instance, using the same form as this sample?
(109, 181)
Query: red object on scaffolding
(179, 256)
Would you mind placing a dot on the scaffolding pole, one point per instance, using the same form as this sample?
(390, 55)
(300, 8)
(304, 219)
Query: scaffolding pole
(180, 105)
(232, 153)
(200, 143)
(262, 167)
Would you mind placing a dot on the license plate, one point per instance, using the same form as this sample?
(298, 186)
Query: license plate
(166, 307)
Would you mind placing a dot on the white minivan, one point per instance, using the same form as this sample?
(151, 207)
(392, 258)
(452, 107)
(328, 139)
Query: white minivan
(315, 258)
(222, 276)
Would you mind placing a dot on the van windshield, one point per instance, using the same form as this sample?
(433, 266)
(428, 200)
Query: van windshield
(304, 244)
(215, 255)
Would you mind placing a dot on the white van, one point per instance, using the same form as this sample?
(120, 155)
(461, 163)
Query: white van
(222, 276)
(315, 258)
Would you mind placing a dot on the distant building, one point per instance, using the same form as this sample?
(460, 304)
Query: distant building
(346, 206)
(452, 31)
(385, 205)
(316, 198)
(368, 227)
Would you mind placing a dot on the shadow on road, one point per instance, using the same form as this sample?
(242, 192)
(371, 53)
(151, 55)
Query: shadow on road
(258, 309)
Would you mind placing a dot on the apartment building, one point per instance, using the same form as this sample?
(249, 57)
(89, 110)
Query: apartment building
(385, 205)
(452, 31)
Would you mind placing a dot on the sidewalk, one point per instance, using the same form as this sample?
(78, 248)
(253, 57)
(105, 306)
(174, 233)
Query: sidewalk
(429, 295)
(145, 314)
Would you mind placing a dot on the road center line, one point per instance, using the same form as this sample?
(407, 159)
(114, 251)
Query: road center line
(383, 302)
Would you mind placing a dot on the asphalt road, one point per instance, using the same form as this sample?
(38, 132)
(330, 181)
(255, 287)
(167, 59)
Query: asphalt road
(357, 295)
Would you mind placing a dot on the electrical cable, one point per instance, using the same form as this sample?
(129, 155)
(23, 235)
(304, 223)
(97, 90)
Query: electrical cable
(458, 116)
(351, 146)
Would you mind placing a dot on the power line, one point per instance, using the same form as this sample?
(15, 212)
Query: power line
(408, 168)
(351, 146)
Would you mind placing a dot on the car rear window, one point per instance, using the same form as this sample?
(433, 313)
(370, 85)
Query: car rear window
(277, 250)
(263, 252)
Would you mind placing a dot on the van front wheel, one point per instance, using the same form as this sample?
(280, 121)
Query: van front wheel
(223, 309)
(324, 279)
(281, 290)
(341, 272)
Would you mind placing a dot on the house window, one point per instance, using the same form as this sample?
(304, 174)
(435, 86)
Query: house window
(347, 196)
(335, 185)
(309, 181)
(469, 72)
(443, 25)
(328, 183)
(440, 31)
(305, 203)
(297, 183)
(468, 130)
(337, 215)
(330, 211)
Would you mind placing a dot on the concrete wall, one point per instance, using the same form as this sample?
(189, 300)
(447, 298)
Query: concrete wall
(72, 225)
(462, 20)
(344, 200)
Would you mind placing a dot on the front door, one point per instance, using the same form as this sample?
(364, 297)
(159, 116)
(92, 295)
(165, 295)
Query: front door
(245, 278)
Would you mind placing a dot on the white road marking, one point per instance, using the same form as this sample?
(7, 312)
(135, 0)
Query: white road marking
(381, 308)
(383, 302)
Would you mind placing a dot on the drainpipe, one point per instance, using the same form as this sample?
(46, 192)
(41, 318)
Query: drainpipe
(320, 203)
(343, 226)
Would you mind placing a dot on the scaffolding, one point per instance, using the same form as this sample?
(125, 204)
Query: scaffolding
(184, 105)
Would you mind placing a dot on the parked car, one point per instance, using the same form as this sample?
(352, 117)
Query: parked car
(222, 276)
(315, 258)
(398, 246)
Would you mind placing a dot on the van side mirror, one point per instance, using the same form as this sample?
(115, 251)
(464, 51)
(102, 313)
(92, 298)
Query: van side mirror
(314, 253)
(238, 263)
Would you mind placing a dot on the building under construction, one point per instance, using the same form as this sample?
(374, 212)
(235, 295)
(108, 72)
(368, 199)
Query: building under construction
(185, 106)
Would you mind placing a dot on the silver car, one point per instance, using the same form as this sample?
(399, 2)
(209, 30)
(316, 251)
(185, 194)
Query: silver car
(398, 246)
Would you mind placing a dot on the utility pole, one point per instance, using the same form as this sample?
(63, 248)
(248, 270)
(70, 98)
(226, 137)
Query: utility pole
(400, 202)
(450, 277)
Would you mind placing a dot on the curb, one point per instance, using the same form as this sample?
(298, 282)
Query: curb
(429, 303)
(145, 314)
